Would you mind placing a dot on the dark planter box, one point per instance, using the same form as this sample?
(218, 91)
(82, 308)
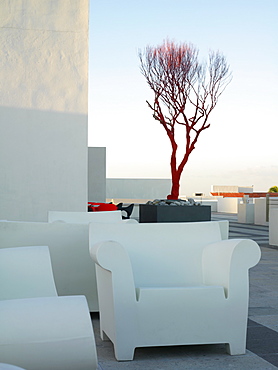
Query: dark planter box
(153, 213)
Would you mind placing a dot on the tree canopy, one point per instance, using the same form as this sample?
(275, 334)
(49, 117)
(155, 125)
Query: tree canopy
(185, 93)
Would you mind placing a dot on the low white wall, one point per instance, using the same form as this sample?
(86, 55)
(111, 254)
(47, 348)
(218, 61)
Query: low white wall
(228, 205)
(231, 189)
(273, 226)
(73, 268)
(260, 212)
(246, 213)
(137, 188)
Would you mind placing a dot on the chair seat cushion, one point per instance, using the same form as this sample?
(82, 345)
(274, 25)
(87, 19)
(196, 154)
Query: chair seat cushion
(180, 292)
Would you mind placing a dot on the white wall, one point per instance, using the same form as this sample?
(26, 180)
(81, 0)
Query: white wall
(137, 188)
(231, 189)
(96, 174)
(228, 205)
(43, 107)
(246, 213)
(260, 216)
(273, 226)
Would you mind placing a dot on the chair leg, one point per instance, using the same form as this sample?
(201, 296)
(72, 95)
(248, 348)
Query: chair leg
(236, 348)
(103, 336)
(127, 209)
(124, 353)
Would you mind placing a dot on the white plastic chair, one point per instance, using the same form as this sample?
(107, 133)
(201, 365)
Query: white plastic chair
(171, 284)
(38, 329)
(88, 282)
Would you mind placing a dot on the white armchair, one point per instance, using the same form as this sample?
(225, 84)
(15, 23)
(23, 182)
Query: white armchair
(67, 236)
(84, 274)
(171, 284)
(38, 329)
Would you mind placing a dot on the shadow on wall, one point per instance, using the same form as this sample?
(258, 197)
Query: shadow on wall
(43, 161)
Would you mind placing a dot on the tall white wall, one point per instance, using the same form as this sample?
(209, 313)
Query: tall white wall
(43, 107)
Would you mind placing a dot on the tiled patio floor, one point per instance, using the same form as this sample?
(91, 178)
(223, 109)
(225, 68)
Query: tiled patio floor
(262, 334)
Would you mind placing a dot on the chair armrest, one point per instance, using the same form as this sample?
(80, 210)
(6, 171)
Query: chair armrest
(227, 263)
(111, 256)
(115, 285)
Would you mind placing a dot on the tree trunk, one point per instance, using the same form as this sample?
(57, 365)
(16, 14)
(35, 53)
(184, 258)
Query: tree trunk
(175, 186)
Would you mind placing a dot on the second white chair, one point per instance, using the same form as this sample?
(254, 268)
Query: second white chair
(171, 284)
(38, 329)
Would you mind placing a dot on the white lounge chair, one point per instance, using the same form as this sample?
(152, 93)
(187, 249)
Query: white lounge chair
(38, 329)
(67, 236)
(171, 284)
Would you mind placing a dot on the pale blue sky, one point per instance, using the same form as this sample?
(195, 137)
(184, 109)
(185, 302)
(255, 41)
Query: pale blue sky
(241, 146)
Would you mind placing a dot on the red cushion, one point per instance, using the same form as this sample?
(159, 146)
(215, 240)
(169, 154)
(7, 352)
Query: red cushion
(105, 207)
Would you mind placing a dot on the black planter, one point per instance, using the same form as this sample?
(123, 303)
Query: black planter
(154, 213)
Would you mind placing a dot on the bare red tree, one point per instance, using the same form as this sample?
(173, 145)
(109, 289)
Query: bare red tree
(185, 93)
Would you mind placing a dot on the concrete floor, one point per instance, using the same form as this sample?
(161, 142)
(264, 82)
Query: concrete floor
(262, 333)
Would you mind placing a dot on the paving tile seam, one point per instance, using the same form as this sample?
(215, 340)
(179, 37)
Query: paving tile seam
(236, 231)
(271, 246)
(257, 335)
(251, 236)
(271, 311)
(249, 226)
(250, 230)
(263, 232)
(243, 231)
(260, 227)
(253, 318)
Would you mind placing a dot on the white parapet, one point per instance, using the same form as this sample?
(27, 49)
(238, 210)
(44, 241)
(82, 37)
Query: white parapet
(273, 226)
(260, 215)
(246, 213)
(228, 205)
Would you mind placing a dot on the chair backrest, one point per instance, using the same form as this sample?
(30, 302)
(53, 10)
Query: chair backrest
(162, 254)
(84, 217)
(26, 272)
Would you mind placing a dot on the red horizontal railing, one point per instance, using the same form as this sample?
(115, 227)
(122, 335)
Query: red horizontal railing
(241, 195)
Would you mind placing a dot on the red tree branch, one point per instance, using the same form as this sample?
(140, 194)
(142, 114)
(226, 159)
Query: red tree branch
(185, 93)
